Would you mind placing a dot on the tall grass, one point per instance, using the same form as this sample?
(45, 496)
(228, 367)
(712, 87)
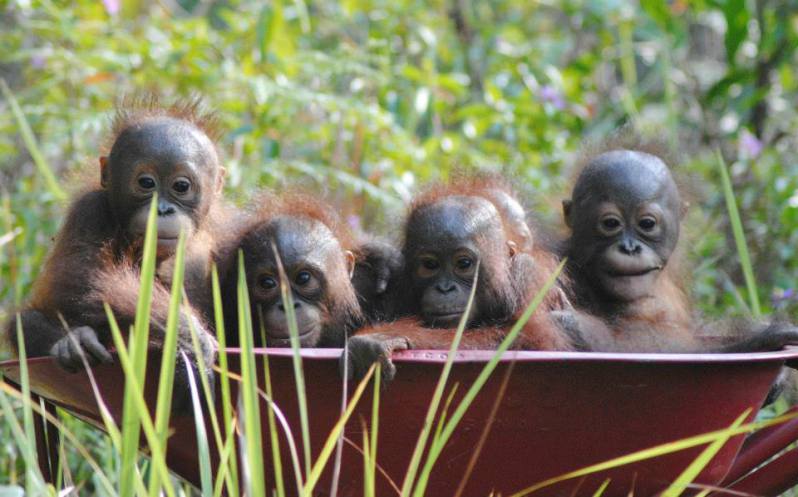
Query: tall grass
(661, 450)
(229, 456)
(32, 145)
(163, 406)
(299, 375)
(139, 343)
(33, 477)
(274, 439)
(739, 236)
(252, 453)
(203, 451)
(437, 445)
(421, 443)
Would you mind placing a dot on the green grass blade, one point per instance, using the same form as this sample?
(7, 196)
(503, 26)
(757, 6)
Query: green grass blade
(274, 437)
(30, 143)
(304, 15)
(368, 476)
(253, 444)
(110, 425)
(67, 434)
(283, 423)
(339, 445)
(206, 386)
(739, 236)
(299, 374)
(437, 446)
(224, 381)
(670, 96)
(628, 66)
(163, 406)
(204, 452)
(111, 428)
(371, 470)
(11, 258)
(131, 423)
(445, 411)
(225, 456)
(659, 450)
(24, 443)
(332, 438)
(691, 472)
(426, 428)
(33, 478)
(600, 491)
(134, 396)
(483, 437)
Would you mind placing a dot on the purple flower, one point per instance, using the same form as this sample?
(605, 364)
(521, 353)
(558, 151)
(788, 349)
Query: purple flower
(750, 146)
(552, 95)
(111, 6)
(779, 296)
(38, 61)
(353, 221)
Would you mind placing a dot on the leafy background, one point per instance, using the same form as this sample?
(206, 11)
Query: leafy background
(367, 99)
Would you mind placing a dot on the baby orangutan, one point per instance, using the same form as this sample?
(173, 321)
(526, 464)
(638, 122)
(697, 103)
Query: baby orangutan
(168, 151)
(450, 232)
(625, 215)
(315, 249)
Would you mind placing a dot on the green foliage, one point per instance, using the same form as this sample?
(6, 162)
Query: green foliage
(367, 99)
(739, 239)
(253, 447)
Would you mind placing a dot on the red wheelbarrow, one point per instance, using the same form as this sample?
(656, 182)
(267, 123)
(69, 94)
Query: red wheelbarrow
(559, 412)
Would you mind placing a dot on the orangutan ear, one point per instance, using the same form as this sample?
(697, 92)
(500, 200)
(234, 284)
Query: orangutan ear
(566, 212)
(104, 171)
(220, 180)
(350, 262)
(685, 208)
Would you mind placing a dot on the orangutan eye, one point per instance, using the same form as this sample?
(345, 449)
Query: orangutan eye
(146, 182)
(303, 278)
(609, 225)
(267, 282)
(647, 224)
(181, 185)
(464, 263)
(430, 264)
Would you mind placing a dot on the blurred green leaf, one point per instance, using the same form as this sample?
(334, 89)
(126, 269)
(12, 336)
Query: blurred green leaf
(737, 18)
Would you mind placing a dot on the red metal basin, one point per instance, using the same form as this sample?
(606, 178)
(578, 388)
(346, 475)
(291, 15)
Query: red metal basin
(561, 412)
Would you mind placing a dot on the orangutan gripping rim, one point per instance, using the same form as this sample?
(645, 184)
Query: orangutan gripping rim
(449, 228)
(168, 150)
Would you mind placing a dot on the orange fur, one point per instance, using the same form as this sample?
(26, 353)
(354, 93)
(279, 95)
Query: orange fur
(469, 184)
(298, 203)
(134, 109)
(530, 271)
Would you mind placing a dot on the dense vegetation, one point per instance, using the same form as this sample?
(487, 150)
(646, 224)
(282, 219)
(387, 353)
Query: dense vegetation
(366, 99)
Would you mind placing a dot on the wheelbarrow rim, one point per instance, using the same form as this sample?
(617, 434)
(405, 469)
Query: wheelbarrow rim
(481, 356)
(466, 356)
